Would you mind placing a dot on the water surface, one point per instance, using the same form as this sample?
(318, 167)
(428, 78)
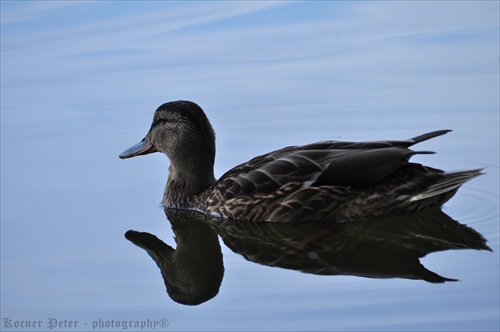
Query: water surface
(80, 82)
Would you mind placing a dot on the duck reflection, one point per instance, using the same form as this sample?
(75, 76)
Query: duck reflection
(379, 248)
(193, 271)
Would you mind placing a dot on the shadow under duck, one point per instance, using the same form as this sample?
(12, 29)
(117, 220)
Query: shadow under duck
(322, 181)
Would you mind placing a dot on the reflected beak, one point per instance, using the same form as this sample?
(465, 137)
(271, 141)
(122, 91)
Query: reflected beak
(139, 149)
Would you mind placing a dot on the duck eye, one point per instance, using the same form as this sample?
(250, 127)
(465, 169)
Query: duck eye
(160, 121)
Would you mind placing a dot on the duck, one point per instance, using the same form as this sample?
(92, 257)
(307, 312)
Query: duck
(325, 181)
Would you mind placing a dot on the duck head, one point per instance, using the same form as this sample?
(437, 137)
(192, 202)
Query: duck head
(181, 131)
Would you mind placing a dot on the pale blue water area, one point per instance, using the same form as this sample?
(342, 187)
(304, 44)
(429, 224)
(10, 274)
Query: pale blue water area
(80, 82)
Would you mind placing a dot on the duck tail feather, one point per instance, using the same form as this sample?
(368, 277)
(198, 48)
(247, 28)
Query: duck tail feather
(430, 276)
(450, 181)
(430, 135)
(412, 153)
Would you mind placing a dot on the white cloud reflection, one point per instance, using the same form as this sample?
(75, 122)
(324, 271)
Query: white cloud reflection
(166, 49)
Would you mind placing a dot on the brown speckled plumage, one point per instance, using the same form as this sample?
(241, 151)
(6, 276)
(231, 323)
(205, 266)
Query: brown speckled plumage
(323, 181)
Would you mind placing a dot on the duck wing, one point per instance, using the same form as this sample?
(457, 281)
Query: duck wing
(326, 163)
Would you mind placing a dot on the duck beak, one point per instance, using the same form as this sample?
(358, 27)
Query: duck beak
(139, 149)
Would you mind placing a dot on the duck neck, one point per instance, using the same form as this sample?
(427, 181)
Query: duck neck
(186, 181)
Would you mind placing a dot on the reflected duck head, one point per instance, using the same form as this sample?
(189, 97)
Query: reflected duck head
(193, 271)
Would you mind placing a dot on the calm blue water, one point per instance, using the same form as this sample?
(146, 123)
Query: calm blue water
(80, 82)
